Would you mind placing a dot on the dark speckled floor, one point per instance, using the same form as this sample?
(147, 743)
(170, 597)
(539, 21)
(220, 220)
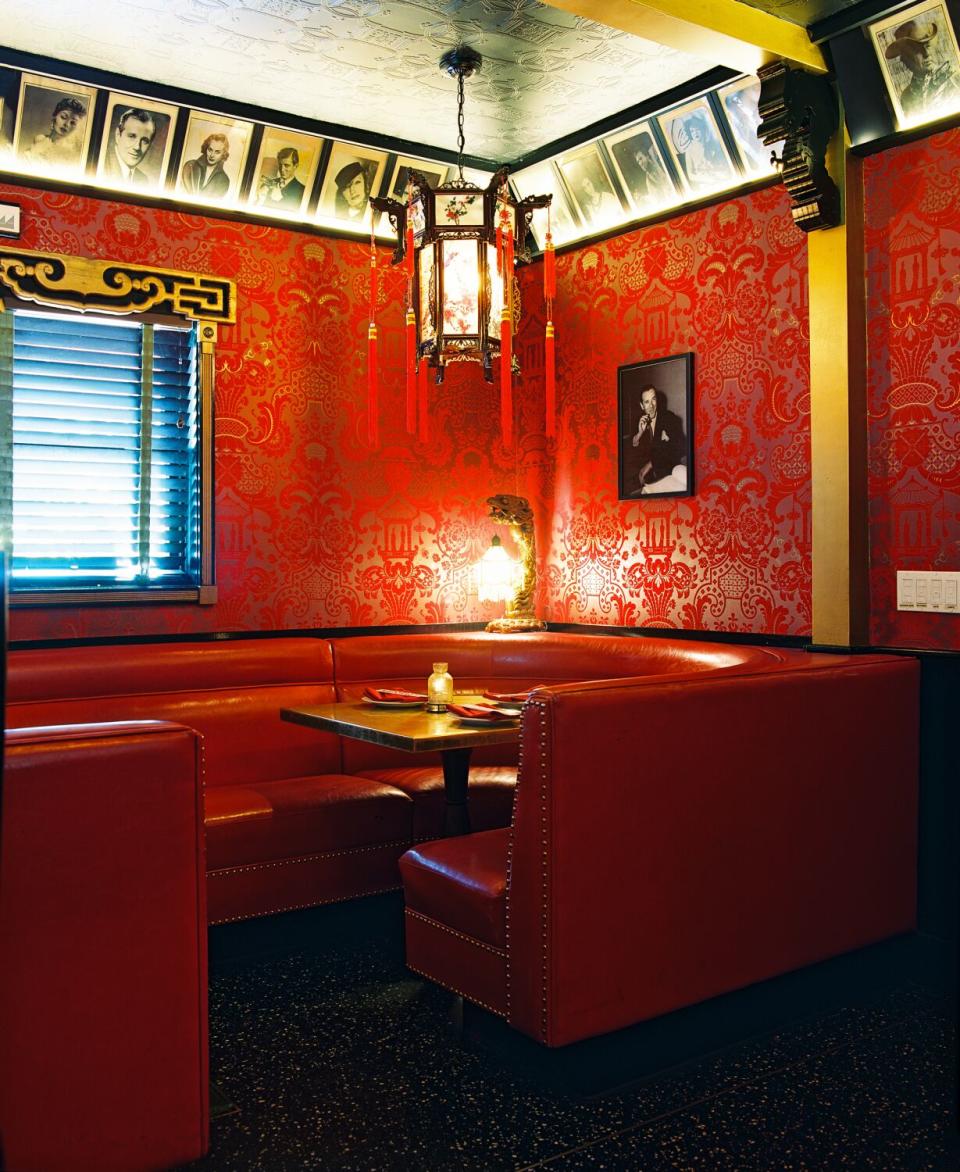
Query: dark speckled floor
(333, 1056)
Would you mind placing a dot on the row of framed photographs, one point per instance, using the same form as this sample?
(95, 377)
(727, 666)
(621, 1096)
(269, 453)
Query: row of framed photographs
(154, 148)
(66, 130)
(692, 150)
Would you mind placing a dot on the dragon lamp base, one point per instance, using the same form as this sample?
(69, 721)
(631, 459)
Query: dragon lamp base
(516, 626)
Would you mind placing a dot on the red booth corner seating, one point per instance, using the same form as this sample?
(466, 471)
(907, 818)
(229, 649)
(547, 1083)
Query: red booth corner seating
(296, 817)
(103, 984)
(677, 838)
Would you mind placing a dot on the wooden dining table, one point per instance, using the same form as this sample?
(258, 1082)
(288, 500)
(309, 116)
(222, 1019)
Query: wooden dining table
(415, 730)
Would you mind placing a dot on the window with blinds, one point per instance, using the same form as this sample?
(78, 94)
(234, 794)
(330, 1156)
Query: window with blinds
(103, 416)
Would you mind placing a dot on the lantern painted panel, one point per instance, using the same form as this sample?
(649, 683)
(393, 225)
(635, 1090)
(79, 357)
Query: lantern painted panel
(428, 327)
(461, 309)
(459, 209)
(496, 290)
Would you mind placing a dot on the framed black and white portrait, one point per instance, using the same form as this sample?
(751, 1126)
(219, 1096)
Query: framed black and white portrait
(54, 123)
(920, 63)
(353, 174)
(740, 101)
(591, 189)
(655, 428)
(642, 168)
(214, 155)
(434, 173)
(694, 139)
(136, 143)
(541, 179)
(285, 171)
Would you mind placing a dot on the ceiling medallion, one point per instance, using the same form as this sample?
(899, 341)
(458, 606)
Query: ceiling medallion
(459, 244)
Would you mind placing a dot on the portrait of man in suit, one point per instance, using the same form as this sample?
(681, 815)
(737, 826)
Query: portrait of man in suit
(132, 139)
(135, 144)
(655, 451)
(283, 188)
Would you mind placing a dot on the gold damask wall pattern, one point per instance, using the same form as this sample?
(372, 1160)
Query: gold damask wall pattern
(912, 206)
(728, 284)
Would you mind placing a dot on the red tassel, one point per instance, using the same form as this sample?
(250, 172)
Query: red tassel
(506, 378)
(499, 250)
(411, 365)
(422, 375)
(550, 377)
(508, 267)
(373, 389)
(549, 269)
(408, 254)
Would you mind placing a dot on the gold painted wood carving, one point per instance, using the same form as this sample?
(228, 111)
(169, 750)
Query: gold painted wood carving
(515, 511)
(78, 282)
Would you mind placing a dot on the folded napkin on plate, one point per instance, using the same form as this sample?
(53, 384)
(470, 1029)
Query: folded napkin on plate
(480, 712)
(517, 697)
(393, 694)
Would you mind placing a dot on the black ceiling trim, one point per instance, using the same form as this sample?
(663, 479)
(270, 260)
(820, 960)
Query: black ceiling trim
(866, 12)
(693, 88)
(190, 99)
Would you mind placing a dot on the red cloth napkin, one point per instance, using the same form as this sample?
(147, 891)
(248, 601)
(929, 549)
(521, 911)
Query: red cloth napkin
(519, 697)
(393, 694)
(480, 712)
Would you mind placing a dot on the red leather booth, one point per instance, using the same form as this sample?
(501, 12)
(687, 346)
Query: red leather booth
(295, 817)
(103, 984)
(677, 838)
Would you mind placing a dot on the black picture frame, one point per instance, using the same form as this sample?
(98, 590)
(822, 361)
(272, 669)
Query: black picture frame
(644, 454)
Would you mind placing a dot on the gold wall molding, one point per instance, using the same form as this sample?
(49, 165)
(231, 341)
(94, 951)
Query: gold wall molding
(727, 32)
(76, 282)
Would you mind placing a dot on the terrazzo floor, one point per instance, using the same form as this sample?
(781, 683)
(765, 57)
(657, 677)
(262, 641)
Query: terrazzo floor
(333, 1056)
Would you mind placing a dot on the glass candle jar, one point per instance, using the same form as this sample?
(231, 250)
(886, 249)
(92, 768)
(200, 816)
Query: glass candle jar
(439, 689)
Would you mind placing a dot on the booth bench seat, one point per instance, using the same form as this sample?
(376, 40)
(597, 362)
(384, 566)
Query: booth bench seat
(295, 817)
(677, 838)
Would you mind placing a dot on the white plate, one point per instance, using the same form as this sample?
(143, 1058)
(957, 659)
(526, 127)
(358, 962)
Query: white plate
(393, 703)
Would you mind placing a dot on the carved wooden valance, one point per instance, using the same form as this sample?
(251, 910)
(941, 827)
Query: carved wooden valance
(76, 282)
(800, 110)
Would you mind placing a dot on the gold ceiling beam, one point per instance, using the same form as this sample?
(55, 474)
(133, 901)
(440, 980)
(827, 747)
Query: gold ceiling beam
(723, 32)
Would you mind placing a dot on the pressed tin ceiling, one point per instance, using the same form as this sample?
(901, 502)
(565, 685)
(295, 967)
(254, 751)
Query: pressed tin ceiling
(370, 65)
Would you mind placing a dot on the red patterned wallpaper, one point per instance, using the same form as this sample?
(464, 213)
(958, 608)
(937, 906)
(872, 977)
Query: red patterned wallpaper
(729, 284)
(315, 529)
(913, 278)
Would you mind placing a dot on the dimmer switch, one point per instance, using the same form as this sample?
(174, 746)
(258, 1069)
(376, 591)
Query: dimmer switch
(932, 591)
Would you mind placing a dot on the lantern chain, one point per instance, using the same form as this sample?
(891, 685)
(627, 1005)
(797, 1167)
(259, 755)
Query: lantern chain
(460, 136)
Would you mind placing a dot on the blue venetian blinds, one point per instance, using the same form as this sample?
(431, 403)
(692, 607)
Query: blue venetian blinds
(105, 452)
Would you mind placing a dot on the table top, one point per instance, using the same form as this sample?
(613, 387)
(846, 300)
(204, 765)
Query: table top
(413, 729)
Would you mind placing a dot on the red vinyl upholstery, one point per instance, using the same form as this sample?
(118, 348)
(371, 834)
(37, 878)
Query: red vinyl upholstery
(676, 839)
(294, 816)
(285, 827)
(103, 985)
(480, 661)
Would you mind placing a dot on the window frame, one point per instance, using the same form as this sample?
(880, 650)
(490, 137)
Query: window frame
(43, 281)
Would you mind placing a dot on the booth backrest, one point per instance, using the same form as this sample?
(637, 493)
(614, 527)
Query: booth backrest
(103, 983)
(706, 833)
(230, 691)
(478, 660)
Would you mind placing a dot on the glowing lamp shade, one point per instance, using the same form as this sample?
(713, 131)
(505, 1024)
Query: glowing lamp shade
(459, 244)
(496, 574)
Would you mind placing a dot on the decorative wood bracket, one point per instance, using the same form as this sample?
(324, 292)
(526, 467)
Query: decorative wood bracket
(110, 287)
(800, 110)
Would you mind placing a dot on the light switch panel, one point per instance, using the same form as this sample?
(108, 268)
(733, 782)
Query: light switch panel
(932, 591)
